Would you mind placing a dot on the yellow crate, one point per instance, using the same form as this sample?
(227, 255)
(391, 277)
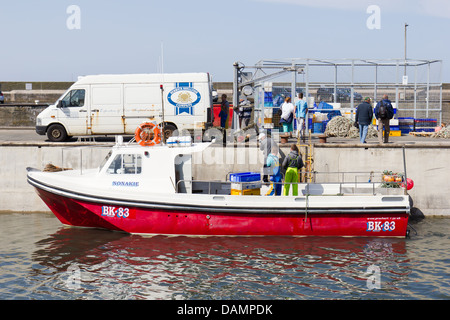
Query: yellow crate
(394, 133)
(246, 192)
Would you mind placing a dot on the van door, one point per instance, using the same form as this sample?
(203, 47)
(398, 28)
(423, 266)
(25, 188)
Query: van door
(142, 102)
(106, 113)
(72, 111)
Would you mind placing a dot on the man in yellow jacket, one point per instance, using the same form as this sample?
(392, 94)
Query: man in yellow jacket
(292, 163)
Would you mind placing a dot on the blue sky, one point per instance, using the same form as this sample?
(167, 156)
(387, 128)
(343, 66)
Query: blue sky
(208, 36)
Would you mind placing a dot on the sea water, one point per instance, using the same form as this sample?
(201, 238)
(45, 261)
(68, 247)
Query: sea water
(42, 259)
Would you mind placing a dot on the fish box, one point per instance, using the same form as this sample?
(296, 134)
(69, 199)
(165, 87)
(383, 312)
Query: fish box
(245, 177)
(179, 141)
(245, 183)
(247, 192)
(394, 133)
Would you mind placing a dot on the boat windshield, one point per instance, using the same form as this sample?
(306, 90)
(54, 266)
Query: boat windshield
(105, 160)
(126, 164)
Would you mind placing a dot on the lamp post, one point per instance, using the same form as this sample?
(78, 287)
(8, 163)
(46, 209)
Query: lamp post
(406, 26)
(405, 81)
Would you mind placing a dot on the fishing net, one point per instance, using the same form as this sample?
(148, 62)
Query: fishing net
(345, 128)
(444, 133)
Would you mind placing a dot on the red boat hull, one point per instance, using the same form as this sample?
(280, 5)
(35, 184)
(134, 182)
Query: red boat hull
(186, 222)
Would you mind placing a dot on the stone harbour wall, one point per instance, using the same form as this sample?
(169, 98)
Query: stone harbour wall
(426, 165)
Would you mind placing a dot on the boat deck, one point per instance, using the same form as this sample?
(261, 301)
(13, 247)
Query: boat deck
(310, 189)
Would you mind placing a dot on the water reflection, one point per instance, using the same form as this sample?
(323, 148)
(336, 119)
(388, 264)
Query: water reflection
(118, 266)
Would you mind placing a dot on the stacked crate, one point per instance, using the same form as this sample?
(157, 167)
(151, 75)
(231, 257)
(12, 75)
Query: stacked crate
(245, 183)
(425, 125)
(394, 127)
(406, 124)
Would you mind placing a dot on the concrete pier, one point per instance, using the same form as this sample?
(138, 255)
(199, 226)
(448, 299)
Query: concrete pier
(426, 163)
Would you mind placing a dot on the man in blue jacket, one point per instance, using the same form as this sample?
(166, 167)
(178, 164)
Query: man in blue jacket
(301, 109)
(275, 175)
(384, 112)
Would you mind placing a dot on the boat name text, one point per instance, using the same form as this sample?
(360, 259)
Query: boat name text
(377, 226)
(125, 184)
(120, 212)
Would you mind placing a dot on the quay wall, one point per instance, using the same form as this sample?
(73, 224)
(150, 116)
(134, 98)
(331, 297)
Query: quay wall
(426, 165)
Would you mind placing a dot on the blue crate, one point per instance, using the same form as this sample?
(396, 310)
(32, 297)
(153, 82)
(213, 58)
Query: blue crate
(406, 128)
(245, 177)
(406, 121)
(318, 127)
(324, 105)
(424, 130)
(425, 123)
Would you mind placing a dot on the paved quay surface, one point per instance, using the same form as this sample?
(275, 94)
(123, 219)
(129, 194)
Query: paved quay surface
(28, 135)
(405, 140)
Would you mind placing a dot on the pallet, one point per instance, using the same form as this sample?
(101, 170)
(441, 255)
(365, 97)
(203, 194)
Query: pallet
(421, 134)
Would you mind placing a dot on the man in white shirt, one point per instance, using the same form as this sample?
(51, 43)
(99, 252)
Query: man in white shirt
(287, 116)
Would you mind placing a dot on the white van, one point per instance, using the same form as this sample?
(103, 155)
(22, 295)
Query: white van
(117, 104)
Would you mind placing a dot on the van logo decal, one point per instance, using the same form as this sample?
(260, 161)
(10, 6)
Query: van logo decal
(184, 97)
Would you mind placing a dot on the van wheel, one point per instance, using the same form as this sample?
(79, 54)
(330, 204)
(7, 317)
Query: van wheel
(56, 133)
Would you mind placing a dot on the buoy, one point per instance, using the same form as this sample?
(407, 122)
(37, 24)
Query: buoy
(147, 134)
(409, 184)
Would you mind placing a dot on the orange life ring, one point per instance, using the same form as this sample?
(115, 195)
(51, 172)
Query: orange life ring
(147, 134)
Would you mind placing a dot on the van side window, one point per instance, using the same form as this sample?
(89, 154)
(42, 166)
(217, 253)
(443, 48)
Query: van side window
(126, 164)
(74, 98)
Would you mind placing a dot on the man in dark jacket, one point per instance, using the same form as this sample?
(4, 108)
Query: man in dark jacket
(292, 163)
(364, 115)
(384, 112)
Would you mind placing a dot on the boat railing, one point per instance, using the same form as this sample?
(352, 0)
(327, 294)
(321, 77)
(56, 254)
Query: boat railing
(361, 183)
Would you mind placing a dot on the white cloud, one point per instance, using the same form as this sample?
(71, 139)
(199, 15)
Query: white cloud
(355, 5)
(437, 8)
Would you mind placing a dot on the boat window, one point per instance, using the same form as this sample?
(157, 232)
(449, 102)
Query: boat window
(126, 164)
(105, 160)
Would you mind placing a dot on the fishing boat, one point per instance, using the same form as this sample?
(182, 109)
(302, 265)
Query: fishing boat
(149, 189)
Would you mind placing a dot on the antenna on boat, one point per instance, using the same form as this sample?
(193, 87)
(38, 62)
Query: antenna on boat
(163, 138)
